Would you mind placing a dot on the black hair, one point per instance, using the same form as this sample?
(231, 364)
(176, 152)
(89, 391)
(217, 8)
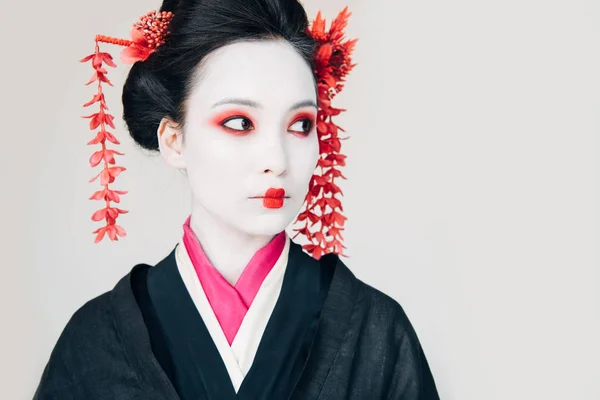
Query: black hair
(159, 86)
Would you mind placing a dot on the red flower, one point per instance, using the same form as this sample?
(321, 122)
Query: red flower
(147, 34)
(113, 230)
(139, 50)
(108, 195)
(331, 62)
(108, 175)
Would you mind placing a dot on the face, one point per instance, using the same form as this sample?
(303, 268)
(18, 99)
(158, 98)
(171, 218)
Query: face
(250, 142)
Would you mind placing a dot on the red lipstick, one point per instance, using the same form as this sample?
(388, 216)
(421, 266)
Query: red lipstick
(273, 198)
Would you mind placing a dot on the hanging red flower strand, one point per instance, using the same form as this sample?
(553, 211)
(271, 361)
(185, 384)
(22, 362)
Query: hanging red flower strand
(331, 62)
(147, 34)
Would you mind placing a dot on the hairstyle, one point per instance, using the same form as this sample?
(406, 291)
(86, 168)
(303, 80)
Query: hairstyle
(159, 86)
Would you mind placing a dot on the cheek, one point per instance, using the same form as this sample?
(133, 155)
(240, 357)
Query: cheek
(213, 161)
(304, 159)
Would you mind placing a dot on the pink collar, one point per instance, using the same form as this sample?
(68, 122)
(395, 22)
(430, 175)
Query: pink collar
(230, 303)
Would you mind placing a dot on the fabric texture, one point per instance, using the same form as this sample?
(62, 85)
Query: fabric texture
(186, 351)
(238, 354)
(230, 303)
(364, 348)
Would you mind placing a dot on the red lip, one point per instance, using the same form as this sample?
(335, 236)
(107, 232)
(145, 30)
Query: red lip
(275, 193)
(273, 198)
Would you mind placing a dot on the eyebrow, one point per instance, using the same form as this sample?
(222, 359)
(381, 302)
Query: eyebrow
(254, 104)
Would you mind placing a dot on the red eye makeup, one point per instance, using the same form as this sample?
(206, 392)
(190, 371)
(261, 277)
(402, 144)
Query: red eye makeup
(307, 117)
(233, 121)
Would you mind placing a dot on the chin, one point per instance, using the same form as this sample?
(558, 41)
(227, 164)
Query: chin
(268, 224)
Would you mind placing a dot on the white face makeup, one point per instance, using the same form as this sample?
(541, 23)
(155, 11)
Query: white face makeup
(250, 127)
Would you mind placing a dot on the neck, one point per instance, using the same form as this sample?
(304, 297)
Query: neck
(228, 249)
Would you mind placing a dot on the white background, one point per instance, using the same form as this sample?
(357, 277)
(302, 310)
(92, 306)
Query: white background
(472, 192)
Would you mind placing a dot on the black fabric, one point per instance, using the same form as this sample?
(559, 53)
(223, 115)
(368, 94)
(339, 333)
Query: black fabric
(183, 346)
(158, 341)
(364, 348)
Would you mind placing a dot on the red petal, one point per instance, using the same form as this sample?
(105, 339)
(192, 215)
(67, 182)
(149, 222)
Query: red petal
(97, 61)
(109, 120)
(325, 163)
(87, 58)
(319, 236)
(333, 202)
(99, 195)
(339, 218)
(340, 22)
(317, 253)
(138, 37)
(120, 231)
(105, 177)
(96, 98)
(324, 54)
(111, 138)
(98, 139)
(332, 128)
(111, 232)
(322, 127)
(100, 235)
(329, 79)
(336, 189)
(318, 26)
(107, 58)
(302, 216)
(112, 213)
(96, 158)
(336, 111)
(95, 120)
(99, 215)
(93, 78)
(112, 196)
(314, 218)
(309, 247)
(315, 190)
(103, 78)
(319, 180)
(132, 54)
(115, 171)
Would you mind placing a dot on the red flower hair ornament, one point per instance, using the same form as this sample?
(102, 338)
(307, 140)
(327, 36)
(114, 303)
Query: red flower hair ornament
(321, 220)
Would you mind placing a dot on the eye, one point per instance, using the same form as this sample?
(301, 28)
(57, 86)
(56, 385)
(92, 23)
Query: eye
(238, 124)
(303, 126)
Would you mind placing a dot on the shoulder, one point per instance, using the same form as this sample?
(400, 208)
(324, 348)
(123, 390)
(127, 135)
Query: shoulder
(380, 320)
(393, 343)
(385, 313)
(382, 310)
(84, 329)
(88, 345)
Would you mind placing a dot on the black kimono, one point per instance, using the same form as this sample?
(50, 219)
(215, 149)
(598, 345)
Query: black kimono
(330, 336)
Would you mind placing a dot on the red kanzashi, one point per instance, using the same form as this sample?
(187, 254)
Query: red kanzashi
(147, 34)
(331, 62)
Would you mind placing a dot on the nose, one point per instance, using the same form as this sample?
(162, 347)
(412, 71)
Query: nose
(274, 157)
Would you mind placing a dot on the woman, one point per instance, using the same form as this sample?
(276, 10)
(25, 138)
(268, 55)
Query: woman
(236, 310)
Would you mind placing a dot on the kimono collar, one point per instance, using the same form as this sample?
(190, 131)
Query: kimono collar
(231, 302)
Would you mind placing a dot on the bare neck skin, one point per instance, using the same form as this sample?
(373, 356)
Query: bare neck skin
(228, 249)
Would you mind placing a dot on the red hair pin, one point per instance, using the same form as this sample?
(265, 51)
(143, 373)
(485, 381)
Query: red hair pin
(147, 34)
(332, 62)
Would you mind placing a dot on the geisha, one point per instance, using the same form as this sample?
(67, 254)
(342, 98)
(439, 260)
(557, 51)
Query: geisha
(237, 94)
